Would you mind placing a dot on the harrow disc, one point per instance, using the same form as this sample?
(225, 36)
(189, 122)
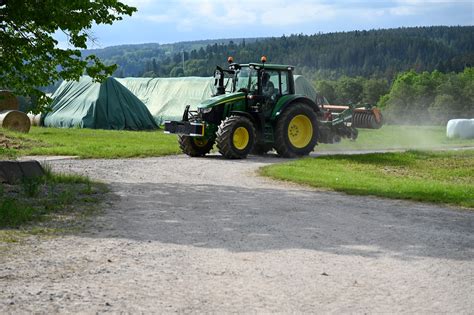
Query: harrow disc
(369, 119)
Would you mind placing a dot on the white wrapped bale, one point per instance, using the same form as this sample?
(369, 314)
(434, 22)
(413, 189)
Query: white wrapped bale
(35, 120)
(460, 128)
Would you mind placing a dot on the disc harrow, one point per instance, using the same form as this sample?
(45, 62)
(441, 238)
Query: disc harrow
(367, 118)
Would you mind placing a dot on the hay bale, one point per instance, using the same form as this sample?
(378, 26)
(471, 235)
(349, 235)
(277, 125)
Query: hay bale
(15, 120)
(460, 128)
(8, 101)
(31, 117)
(35, 120)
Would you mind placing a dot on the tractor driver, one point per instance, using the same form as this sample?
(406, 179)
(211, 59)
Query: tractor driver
(267, 86)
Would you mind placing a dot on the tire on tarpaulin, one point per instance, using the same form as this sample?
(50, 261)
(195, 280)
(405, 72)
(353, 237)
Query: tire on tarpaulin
(8, 101)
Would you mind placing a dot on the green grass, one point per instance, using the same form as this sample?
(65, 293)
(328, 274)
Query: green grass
(438, 177)
(91, 143)
(399, 137)
(47, 198)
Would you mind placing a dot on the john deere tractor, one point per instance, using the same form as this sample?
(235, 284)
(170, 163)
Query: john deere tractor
(256, 110)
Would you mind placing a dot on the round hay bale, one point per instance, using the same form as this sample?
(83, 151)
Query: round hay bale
(14, 120)
(8, 101)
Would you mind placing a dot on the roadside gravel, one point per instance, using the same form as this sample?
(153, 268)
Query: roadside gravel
(183, 234)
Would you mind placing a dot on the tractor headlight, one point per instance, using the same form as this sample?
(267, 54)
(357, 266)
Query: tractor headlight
(205, 110)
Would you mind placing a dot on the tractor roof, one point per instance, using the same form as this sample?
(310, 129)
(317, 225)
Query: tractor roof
(269, 66)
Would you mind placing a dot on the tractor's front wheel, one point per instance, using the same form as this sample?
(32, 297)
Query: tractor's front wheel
(296, 131)
(235, 137)
(194, 146)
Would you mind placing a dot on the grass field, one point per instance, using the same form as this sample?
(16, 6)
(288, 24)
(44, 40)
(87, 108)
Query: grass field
(399, 137)
(53, 197)
(439, 177)
(90, 143)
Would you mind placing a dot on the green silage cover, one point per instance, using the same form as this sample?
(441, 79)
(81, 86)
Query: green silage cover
(107, 105)
(166, 98)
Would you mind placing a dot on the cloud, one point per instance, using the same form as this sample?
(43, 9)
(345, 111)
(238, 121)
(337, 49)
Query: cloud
(403, 10)
(138, 3)
(298, 13)
(220, 12)
(206, 15)
(159, 18)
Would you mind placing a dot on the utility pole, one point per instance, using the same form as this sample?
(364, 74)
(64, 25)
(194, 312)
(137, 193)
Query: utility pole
(182, 54)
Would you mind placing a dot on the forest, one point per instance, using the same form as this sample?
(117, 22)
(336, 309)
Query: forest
(417, 75)
(413, 98)
(375, 53)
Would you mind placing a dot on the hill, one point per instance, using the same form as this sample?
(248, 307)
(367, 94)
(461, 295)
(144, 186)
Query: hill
(375, 53)
(133, 58)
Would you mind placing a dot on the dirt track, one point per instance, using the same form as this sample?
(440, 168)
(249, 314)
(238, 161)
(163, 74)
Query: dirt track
(207, 235)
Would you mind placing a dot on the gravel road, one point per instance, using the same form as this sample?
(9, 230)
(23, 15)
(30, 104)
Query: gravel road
(186, 235)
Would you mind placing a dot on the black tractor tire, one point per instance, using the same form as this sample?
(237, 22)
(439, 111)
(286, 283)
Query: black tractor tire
(195, 146)
(235, 137)
(296, 131)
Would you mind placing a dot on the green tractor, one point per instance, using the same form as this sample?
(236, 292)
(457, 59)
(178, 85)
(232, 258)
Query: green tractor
(256, 110)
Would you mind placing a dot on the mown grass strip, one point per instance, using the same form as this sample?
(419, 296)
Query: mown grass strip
(399, 137)
(92, 143)
(438, 177)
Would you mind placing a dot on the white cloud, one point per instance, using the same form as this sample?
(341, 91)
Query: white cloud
(425, 2)
(137, 3)
(298, 13)
(403, 10)
(158, 18)
(191, 15)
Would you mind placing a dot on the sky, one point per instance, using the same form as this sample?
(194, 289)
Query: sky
(170, 21)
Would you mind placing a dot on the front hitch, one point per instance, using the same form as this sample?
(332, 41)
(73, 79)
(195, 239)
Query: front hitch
(193, 129)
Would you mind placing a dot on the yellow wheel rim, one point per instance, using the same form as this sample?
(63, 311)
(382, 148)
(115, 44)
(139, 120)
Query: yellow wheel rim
(241, 138)
(300, 131)
(200, 142)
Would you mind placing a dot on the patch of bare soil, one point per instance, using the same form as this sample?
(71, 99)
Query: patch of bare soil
(8, 142)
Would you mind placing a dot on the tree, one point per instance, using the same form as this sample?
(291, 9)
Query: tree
(177, 71)
(349, 90)
(373, 90)
(442, 109)
(29, 54)
(326, 89)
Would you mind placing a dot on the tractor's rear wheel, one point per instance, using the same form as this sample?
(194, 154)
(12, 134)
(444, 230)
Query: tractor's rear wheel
(195, 146)
(296, 131)
(235, 137)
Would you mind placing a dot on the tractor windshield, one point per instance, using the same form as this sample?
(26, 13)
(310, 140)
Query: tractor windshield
(246, 78)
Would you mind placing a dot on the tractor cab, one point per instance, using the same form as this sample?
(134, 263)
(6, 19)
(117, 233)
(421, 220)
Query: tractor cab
(262, 84)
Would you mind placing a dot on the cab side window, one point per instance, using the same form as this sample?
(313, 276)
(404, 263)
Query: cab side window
(285, 89)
